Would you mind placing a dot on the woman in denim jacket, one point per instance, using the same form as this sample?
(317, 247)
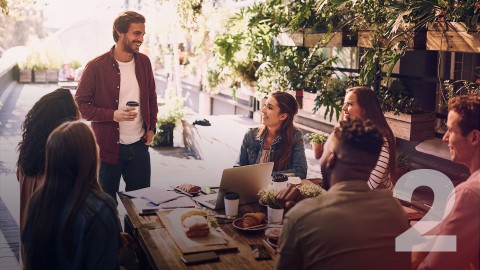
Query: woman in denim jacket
(277, 139)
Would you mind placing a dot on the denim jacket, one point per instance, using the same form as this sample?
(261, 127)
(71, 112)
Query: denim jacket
(251, 150)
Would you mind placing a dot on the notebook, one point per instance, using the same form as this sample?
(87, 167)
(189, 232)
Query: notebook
(245, 180)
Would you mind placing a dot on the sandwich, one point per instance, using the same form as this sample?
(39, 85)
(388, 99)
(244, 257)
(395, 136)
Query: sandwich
(195, 223)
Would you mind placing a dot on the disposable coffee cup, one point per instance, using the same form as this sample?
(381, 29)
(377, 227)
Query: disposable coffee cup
(294, 181)
(279, 182)
(133, 104)
(232, 200)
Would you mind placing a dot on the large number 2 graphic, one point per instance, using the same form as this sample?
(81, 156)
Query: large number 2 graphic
(414, 239)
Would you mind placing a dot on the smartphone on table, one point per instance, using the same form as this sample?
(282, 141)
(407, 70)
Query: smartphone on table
(260, 252)
(201, 257)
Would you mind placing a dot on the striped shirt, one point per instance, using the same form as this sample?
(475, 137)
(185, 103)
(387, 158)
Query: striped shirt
(380, 177)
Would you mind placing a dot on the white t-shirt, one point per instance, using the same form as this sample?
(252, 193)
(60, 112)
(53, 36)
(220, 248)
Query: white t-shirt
(130, 131)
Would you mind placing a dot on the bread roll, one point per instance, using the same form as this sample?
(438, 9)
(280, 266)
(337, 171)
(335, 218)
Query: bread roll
(253, 219)
(189, 213)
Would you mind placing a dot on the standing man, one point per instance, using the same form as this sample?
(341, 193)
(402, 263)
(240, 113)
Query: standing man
(123, 132)
(350, 226)
(463, 221)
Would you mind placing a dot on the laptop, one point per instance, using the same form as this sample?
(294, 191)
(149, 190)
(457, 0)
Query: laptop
(244, 180)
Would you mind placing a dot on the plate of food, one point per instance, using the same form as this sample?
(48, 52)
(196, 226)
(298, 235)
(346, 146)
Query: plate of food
(251, 222)
(188, 189)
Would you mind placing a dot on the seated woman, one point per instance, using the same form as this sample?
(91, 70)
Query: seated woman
(71, 223)
(361, 102)
(277, 139)
(66, 73)
(46, 114)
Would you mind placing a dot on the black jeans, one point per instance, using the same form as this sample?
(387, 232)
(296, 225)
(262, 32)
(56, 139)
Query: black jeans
(133, 165)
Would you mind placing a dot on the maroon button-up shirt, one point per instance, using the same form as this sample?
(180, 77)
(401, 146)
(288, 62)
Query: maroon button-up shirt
(97, 97)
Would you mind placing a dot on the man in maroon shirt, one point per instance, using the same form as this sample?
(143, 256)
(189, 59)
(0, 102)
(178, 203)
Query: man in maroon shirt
(107, 84)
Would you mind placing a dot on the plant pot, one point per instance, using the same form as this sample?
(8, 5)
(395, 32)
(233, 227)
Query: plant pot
(453, 37)
(412, 127)
(317, 149)
(39, 76)
(52, 75)
(274, 215)
(416, 40)
(310, 38)
(25, 76)
(165, 135)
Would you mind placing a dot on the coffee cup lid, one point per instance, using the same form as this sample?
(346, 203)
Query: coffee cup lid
(231, 196)
(279, 178)
(132, 104)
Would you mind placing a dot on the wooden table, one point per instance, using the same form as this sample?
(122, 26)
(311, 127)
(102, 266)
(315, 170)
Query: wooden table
(161, 251)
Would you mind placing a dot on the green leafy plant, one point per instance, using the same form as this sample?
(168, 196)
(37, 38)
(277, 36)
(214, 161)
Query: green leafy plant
(168, 115)
(460, 87)
(397, 99)
(267, 197)
(330, 94)
(402, 160)
(310, 191)
(316, 137)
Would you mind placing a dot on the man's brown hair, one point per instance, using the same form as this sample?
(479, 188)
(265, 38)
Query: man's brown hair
(468, 108)
(123, 21)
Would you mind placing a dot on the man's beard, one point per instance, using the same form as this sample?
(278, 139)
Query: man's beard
(127, 47)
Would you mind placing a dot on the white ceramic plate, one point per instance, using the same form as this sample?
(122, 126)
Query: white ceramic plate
(238, 224)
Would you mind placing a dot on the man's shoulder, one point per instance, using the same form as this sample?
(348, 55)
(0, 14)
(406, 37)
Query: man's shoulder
(142, 57)
(100, 59)
(472, 184)
(305, 207)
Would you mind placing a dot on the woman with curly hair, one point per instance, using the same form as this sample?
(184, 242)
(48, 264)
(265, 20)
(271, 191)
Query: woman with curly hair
(277, 139)
(48, 113)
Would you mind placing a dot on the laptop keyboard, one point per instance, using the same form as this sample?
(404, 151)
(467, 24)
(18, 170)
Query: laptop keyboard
(212, 202)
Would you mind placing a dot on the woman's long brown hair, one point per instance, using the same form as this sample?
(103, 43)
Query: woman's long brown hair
(287, 104)
(71, 172)
(368, 102)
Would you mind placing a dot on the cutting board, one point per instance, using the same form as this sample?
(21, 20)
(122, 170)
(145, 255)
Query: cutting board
(194, 244)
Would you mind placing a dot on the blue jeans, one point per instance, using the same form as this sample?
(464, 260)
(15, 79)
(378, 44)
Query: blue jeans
(133, 165)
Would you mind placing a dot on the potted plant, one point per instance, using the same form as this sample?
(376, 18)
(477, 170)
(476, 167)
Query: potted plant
(404, 117)
(25, 69)
(310, 190)
(317, 140)
(168, 116)
(455, 27)
(460, 87)
(311, 23)
(274, 209)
